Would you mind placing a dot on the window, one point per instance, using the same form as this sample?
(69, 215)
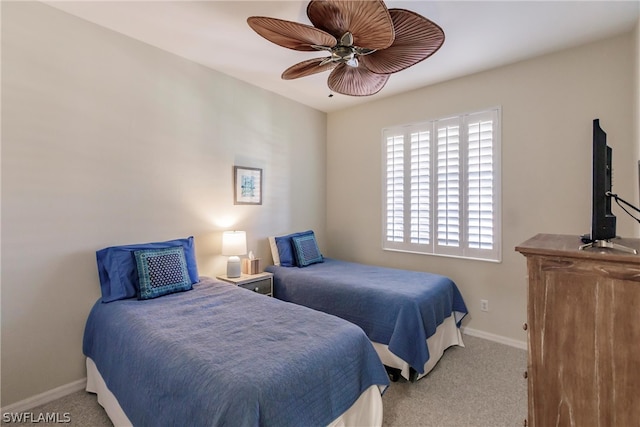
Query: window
(441, 184)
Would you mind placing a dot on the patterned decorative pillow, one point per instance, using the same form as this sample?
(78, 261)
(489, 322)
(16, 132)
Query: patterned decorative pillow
(306, 249)
(162, 272)
(286, 251)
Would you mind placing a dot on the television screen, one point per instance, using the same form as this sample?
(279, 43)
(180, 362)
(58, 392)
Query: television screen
(603, 222)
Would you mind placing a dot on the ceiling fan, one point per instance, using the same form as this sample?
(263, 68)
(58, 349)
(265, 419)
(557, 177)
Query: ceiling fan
(366, 41)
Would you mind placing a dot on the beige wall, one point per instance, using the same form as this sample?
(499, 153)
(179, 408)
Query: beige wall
(109, 141)
(548, 105)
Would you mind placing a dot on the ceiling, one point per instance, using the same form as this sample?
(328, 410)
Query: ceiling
(479, 35)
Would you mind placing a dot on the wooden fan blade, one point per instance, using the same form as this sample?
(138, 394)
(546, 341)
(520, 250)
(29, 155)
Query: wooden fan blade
(368, 21)
(417, 38)
(307, 68)
(292, 35)
(356, 81)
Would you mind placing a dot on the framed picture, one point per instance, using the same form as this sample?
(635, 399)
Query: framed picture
(247, 186)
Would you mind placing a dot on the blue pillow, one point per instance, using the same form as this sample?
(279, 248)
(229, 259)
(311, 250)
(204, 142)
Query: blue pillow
(118, 272)
(285, 248)
(306, 250)
(162, 272)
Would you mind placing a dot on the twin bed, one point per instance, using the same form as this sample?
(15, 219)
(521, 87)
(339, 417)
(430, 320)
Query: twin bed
(410, 317)
(165, 346)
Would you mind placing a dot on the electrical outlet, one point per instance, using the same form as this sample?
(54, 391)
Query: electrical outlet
(484, 305)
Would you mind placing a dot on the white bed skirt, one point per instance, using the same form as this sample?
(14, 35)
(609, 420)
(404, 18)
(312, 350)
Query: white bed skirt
(447, 334)
(366, 411)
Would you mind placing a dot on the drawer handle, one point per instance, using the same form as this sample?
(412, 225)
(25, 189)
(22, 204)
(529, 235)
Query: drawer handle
(525, 326)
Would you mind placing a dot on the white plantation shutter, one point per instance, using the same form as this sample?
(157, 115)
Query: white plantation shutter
(480, 182)
(420, 187)
(442, 187)
(395, 188)
(448, 177)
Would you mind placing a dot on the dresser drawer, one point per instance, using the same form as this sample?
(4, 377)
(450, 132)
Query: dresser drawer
(262, 286)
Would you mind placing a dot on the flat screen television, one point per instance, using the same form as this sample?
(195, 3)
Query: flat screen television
(603, 222)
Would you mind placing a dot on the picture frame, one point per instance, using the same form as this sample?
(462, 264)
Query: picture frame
(247, 186)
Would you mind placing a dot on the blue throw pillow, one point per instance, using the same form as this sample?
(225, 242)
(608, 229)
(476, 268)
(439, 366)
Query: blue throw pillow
(162, 272)
(306, 250)
(117, 267)
(285, 248)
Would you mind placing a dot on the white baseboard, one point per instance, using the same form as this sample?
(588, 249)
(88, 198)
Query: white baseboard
(493, 337)
(46, 397)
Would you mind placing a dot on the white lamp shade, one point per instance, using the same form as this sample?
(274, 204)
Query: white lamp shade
(234, 243)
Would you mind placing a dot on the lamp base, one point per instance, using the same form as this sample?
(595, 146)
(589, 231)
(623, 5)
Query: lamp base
(233, 266)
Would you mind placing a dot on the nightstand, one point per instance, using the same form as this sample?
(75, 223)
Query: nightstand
(261, 282)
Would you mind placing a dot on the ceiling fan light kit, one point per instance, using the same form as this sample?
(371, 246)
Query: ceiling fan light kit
(366, 42)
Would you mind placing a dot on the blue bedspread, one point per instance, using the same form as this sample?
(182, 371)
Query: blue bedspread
(221, 355)
(395, 307)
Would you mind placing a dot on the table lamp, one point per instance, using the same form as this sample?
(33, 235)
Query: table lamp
(234, 243)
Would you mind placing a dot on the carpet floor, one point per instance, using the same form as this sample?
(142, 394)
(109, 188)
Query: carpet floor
(479, 385)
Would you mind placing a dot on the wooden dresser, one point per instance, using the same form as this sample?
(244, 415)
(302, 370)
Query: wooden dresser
(583, 324)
